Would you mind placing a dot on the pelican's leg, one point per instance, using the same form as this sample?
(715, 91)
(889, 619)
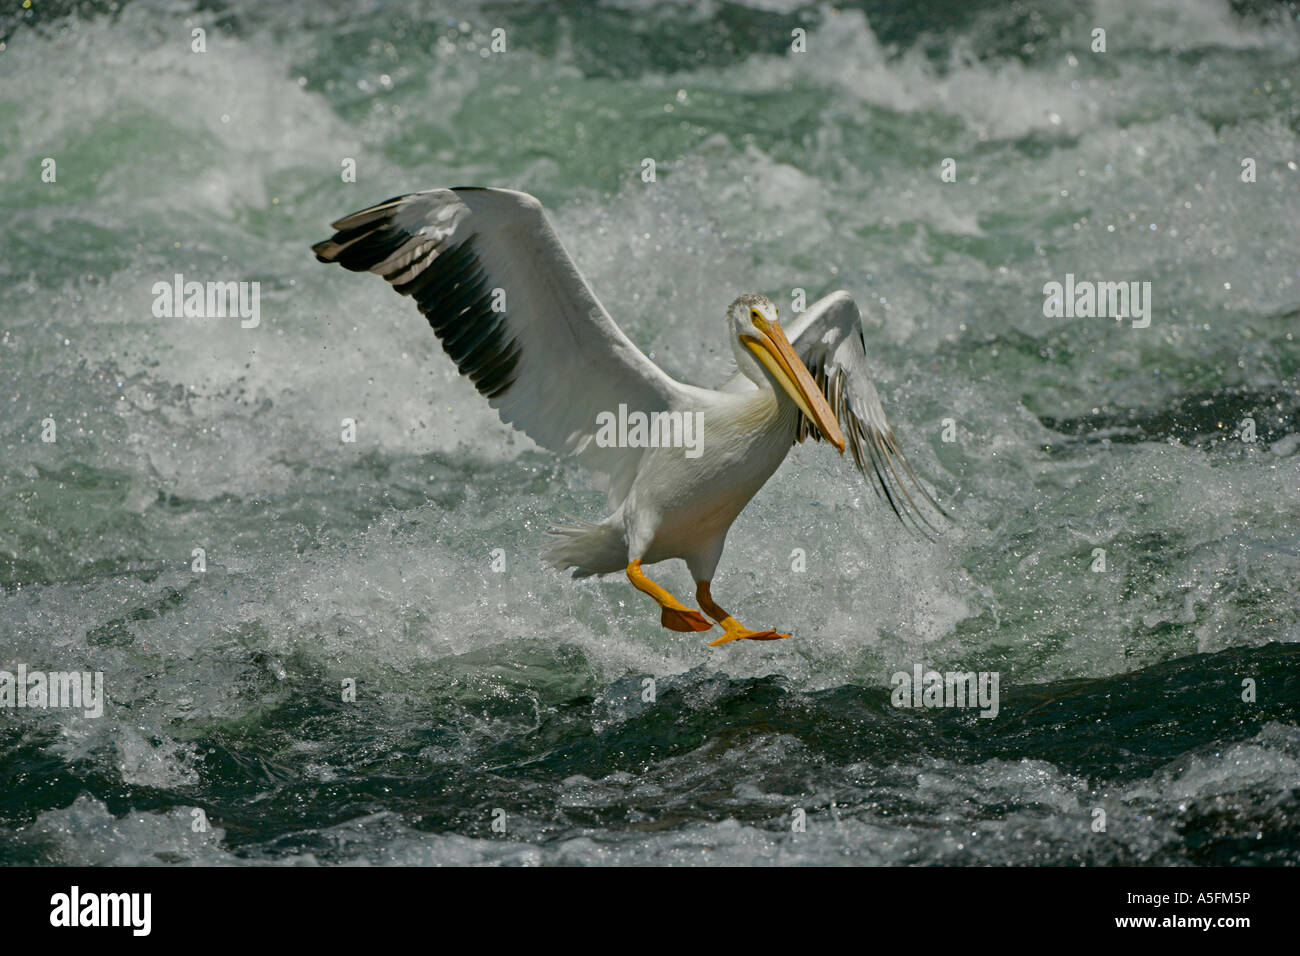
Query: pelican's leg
(676, 616)
(735, 632)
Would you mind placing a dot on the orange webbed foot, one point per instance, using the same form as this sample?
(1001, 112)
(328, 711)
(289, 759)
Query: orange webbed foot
(739, 633)
(684, 620)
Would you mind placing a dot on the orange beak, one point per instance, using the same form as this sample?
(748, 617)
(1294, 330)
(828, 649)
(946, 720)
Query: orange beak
(773, 349)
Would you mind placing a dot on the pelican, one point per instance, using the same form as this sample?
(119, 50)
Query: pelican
(512, 311)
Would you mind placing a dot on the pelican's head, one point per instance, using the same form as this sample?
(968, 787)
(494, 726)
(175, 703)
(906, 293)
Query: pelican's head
(765, 356)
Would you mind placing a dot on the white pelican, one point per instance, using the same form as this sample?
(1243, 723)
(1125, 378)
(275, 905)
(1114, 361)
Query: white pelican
(515, 315)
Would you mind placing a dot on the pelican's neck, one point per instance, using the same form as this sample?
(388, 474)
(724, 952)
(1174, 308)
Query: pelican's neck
(768, 409)
(770, 406)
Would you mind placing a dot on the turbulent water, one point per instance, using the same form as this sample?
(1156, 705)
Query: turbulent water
(493, 690)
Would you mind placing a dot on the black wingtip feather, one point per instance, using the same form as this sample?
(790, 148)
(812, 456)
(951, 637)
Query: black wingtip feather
(875, 455)
(449, 286)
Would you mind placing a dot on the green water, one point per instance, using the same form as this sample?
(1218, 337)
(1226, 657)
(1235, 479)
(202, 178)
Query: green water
(522, 691)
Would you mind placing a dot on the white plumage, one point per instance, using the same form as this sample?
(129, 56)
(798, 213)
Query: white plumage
(511, 309)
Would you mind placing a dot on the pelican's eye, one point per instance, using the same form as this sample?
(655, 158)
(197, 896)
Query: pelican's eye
(756, 317)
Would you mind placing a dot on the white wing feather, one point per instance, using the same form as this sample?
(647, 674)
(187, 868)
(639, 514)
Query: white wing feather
(553, 358)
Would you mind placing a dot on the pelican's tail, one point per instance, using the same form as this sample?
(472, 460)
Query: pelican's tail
(588, 548)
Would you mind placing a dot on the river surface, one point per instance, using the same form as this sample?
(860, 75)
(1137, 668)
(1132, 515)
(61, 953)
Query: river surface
(1125, 545)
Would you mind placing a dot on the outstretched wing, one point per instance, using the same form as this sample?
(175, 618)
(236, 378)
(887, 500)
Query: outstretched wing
(513, 312)
(828, 337)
